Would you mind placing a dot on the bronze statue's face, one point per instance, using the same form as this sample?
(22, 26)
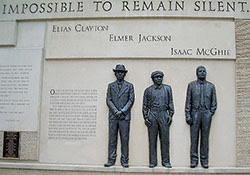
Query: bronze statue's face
(158, 79)
(201, 73)
(120, 75)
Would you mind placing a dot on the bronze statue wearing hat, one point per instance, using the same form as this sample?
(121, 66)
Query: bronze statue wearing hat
(158, 110)
(120, 99)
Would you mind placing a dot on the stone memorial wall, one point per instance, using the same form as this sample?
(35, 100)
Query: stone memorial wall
(57, 59)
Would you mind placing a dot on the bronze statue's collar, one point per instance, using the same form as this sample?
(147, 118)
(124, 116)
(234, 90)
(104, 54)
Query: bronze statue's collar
(120, 83)
(201, 81)
(157, 87)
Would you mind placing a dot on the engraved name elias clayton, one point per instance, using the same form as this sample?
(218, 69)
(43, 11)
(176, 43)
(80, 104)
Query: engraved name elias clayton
(140, 38)
(80, 28)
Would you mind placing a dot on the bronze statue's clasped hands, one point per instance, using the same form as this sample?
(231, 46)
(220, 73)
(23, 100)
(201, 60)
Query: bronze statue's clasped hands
(120, 115)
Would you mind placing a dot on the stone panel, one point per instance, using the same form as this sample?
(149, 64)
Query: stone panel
(31, 34)
(20, 89)
(8, 33)
(29, 146)
(242, 92)
(141, 38)
(89, 74)
(46, 9)
(1, 144)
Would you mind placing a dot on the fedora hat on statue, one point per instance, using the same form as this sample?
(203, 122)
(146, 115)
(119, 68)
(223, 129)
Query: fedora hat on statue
(120, 67)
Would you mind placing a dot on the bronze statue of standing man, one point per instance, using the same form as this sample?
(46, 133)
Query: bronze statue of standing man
(120, 99)
(200, 106)
(158, 110)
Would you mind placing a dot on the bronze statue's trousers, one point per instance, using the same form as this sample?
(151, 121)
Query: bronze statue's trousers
(123, 127)
(201, 122)
(159, 125)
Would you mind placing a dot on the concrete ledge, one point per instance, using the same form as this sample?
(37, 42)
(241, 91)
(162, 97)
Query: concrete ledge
(97, 169)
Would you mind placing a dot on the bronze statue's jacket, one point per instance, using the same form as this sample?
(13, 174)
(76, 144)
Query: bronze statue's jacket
(193, 97)
(167, 104)
(120, 100)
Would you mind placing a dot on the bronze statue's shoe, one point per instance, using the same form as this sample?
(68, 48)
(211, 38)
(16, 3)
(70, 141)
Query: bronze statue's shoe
(151, 165)
(125, 165)
(109, 164)
(167, 165)
(204, 165)
(193, 164)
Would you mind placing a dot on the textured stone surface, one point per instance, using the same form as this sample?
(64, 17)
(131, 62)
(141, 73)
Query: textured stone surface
(29, 146)
(1, 144)
(242, 92)
(242, 38)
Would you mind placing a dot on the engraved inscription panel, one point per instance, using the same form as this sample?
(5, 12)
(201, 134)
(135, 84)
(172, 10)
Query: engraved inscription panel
(46, 9)
(143, 38)
(72, 114)
(14, 80)
(19, 89)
